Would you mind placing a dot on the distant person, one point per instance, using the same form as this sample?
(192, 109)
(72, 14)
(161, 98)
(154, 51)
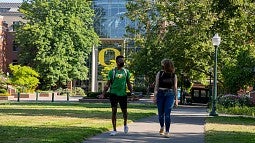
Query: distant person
(118, 78)
(165, 94)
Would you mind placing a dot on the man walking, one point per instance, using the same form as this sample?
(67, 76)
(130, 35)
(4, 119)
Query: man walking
(118, 78)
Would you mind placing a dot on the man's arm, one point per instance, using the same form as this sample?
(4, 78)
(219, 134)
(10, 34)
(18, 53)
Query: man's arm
(129, 85)
(106, 87)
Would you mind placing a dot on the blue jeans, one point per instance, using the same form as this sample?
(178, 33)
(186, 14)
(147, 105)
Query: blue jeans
(165, 103)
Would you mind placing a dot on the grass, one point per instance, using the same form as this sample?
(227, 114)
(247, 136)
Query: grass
(61, 122)
(224, 129)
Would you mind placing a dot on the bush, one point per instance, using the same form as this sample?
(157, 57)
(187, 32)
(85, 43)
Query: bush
(4, 94)
(140, 89)
(231, 100)
(3, 91)
(94, 95)
(78, 91)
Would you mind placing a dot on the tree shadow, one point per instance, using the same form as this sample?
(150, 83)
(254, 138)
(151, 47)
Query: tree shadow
(230, 137)
(231, 120)
(95, 114)
(39, 134)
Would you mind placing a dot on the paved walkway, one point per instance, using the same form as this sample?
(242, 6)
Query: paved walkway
(187, 127)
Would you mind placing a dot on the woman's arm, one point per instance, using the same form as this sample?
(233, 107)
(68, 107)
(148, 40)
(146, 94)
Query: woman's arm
(175, 90)
(156, 84)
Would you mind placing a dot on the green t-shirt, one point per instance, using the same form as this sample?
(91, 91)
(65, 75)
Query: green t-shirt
(118, 86)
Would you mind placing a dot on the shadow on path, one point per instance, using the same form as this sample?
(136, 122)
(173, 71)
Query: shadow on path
(187, 126)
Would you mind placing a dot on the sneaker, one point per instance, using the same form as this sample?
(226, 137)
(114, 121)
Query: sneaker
(125, 129)
(167, 135)
(113, 133)
(161, 131)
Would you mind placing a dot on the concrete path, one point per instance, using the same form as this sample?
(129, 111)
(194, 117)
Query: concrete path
(187, 127)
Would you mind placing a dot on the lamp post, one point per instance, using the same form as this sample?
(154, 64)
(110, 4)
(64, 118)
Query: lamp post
(216, 42)
(210, 85)
(7, 74)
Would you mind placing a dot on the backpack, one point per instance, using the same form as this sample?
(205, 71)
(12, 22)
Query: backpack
(114, 74)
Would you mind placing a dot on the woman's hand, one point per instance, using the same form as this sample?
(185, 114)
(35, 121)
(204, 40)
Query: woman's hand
(176, 103)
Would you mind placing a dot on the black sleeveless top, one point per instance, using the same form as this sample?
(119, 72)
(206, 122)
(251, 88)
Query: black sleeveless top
(166, 80)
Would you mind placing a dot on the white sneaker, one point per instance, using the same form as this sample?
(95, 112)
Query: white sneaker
(113, 133)
(167, 135)
(125, 129)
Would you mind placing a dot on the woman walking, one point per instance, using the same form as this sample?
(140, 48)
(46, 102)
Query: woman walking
(165, 94)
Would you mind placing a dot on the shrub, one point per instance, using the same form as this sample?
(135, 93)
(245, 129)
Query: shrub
(95, 94)
(4, 94)
(78, 91)
(3, 91)
(231, 100)
(140, 89)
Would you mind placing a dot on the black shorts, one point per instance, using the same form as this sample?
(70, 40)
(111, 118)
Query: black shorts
(122, 100)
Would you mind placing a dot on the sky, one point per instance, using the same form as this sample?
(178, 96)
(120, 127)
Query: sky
(14, 1)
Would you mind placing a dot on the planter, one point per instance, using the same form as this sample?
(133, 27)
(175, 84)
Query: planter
(22, 95)
(3, 97)
(44, 94)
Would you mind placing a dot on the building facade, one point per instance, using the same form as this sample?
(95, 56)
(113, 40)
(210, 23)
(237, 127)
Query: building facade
(9, 18)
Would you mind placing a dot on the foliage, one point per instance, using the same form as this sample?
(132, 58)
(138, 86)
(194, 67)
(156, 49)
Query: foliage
(57, 39)
(231, 100)
(3, 91)
(239, 74)
(142, 89)
(108, 68)
(177, 30)
(182, 31)
(24, 77)
(236, 53)
(4, 80)
(78, 91)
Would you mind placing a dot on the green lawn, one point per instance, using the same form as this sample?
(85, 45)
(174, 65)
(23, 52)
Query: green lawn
(230, 130)
(61, 122)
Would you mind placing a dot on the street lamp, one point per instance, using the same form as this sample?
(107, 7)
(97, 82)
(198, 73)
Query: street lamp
(210, 85)
(216, 42)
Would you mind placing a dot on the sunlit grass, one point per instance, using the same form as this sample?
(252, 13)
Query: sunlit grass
(61, 122)
(230, 130)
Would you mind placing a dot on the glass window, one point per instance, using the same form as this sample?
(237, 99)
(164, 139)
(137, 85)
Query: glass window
(14, 62)
(15, 46)
(109, 18)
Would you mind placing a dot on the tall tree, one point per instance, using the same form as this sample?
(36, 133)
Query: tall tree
(57, 39)
(178, 30)
(182, 30)
(235, 23)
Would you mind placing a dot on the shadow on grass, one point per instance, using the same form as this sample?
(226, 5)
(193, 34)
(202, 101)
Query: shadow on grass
(24, 134)
(229, 137)
(231, 120)
(83, 113)
(145, 106)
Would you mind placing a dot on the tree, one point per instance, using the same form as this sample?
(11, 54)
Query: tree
(24, 77)
(235, 23)
(178, 30)
(57, 39)
(182, 31)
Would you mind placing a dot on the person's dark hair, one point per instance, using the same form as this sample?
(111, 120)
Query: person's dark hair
(168, 65)
(119, 57)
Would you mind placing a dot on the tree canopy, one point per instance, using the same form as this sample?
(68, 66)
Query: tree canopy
(57, 39)
(182, 31)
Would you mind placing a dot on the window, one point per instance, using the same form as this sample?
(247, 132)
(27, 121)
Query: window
(15, 46)
(14, 62)
(2, 10)
(15, 25)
